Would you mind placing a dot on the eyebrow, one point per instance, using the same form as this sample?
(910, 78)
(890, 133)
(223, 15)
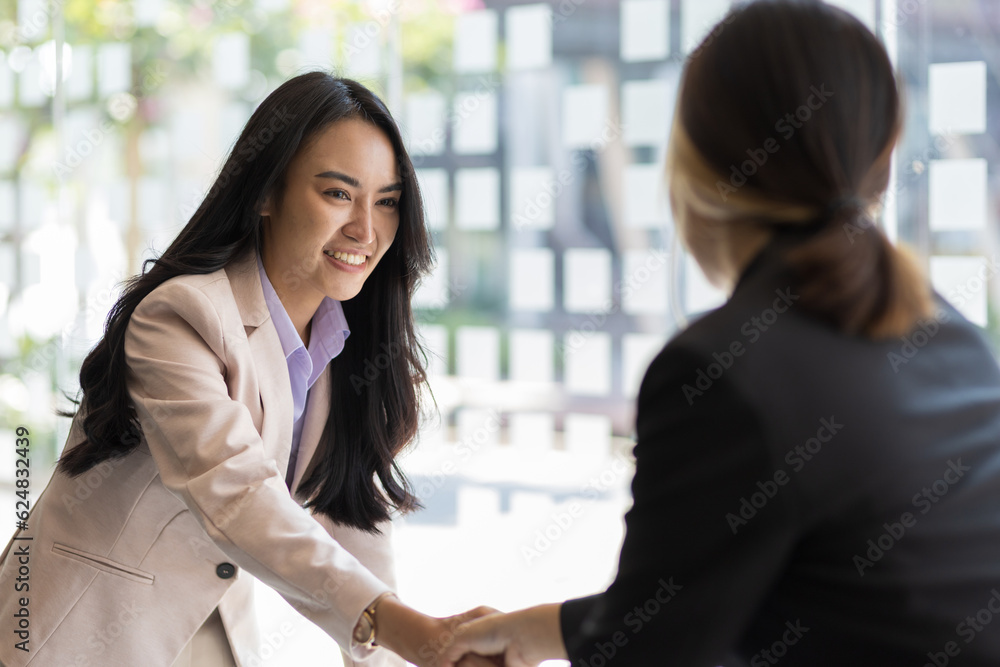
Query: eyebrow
(353, 182)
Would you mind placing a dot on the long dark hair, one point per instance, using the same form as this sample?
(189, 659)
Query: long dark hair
(787, 117)
(372, 415)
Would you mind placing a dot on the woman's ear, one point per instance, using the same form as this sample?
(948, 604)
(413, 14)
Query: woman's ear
(266, 207)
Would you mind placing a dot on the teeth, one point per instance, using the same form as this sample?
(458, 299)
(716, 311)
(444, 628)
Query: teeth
(347, 258)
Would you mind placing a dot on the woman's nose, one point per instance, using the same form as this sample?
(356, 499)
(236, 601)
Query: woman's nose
(361, 228)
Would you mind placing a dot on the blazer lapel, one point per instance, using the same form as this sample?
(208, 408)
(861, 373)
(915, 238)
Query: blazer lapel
(268, 358)
(316, 413)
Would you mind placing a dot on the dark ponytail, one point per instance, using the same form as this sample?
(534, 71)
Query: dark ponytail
(787, 119)
(851, 276)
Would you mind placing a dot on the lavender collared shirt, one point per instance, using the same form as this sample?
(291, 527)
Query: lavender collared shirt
(326, 341)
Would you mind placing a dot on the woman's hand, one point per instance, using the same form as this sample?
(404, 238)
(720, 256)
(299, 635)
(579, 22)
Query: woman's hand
(416, 637)
(523, 639)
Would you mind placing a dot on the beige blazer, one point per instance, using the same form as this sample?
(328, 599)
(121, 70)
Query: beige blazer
(127, 561)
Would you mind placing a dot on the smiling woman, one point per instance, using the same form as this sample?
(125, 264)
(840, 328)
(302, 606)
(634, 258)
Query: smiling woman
(329, 230)
(223, 410)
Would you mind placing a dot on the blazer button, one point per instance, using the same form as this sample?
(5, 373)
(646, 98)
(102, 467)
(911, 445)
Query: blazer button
(225, 570)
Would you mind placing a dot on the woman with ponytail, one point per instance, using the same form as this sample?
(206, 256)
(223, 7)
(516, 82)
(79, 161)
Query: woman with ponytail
(818, 460)
(229, 427)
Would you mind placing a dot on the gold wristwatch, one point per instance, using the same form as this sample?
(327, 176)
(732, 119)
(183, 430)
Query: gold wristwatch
(364, 631)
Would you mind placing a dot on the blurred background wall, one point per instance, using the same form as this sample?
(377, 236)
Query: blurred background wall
(538, 131)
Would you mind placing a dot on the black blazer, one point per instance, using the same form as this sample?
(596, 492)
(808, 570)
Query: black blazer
(804, 497)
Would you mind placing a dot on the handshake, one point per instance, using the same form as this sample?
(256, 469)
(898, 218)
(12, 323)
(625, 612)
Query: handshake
(481, 637)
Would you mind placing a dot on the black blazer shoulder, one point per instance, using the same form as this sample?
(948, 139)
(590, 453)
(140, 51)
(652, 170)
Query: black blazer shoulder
(805, 494)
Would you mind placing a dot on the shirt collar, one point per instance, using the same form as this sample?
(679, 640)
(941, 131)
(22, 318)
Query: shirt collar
(329, 326)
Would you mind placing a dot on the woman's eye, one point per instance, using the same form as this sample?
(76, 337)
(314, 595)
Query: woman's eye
(338, 194)
(391, 203)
